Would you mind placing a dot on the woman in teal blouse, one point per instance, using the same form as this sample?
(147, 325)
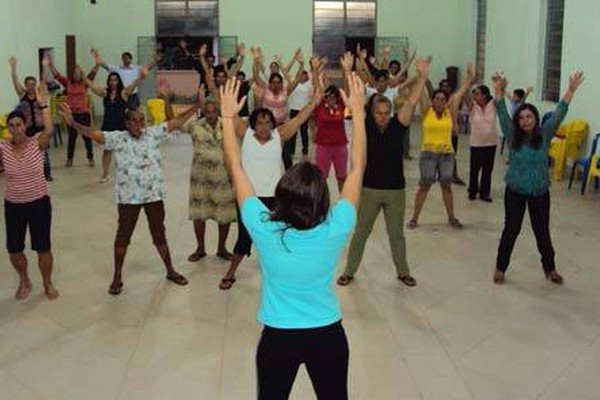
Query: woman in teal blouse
(527, 179)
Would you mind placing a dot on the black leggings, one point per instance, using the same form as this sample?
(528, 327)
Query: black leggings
(539, 214)
(83, 119)
(324, 351)
(482, 160)
(243, 243)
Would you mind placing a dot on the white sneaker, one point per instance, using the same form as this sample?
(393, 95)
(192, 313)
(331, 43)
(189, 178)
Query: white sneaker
(104, 180)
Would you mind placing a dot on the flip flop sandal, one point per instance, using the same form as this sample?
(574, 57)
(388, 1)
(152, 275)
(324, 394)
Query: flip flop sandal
(197, 255)
(177, 279)
(116, 290)
(456, 224)
(344, 280)
(412, 224)
(225, 256)
(226, 283)
(408, 280)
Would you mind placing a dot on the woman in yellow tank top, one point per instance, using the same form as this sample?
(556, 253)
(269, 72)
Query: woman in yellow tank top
(436, 160)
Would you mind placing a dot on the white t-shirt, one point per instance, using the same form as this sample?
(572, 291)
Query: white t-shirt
(262, 162)
(390, 93)
(301, 96)
(128, 75)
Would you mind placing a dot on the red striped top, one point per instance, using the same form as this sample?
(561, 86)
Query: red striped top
(25, 181)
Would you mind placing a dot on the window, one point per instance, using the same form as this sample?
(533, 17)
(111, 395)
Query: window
(554, 36)
(187, 17)
(481, 28)
(336, 23)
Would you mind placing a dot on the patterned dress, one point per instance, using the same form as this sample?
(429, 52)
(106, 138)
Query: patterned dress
(211, 192)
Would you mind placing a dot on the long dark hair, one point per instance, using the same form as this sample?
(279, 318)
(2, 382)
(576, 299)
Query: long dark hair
(520, 135)
(301, 197)
(120, 85)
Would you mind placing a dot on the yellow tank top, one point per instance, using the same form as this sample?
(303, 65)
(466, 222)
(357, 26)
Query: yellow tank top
(437, 132)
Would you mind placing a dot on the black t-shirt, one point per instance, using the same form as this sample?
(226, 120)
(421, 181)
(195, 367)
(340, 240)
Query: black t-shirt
(244, 91)
(385, 155)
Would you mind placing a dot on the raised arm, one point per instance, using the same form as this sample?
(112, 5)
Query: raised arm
(97, 90)
(177, 122)
(230, 107)
(19, 89)
(240, 58)
(499, 82)
(256, 64)
(48, 65)
(288, 129)
(562, 108)
(361, 66)
(407, 111)
(144, 71)
(355, 100)
(457, 97)
(316, 78)
(98, 59)
(41, 96)
(292, 86)
(347, 61)
(87, 131)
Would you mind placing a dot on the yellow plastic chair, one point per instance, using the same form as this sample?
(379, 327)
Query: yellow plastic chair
(594, 171)
(156, 111)
(566, 145)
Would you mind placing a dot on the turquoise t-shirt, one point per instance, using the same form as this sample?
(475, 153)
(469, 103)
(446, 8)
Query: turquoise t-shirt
(298, 266)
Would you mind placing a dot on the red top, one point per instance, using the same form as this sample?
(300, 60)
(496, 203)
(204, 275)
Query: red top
(329, 123)
(25, 181)
(76, 95)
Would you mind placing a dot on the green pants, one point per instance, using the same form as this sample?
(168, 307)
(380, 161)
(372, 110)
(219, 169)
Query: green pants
(371, 202)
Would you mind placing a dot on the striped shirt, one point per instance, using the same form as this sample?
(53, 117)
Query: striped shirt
(25, 180)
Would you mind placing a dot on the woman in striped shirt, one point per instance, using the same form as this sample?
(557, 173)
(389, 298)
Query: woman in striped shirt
(26, 198)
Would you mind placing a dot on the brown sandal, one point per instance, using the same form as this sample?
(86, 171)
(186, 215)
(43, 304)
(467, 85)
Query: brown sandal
(197, 255)
(555, 278)
(499, 277)
(177, 279)
(226, 283)
(455, 223)
(344, 280)
(116, 290)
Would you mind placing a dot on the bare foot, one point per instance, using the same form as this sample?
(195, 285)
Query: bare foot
(51, 292)
(23, 290)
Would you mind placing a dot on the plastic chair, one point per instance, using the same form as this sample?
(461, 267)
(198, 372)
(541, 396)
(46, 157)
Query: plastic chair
(4, 133)
(566, 145)
(156, 111)
(583, 164)
(594, 171)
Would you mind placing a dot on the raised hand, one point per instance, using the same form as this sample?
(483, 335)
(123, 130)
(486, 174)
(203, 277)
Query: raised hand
(354, 100)
(41, 94)
(470, 71)
(347, 61)
(529, 89)
(144, 71)
(12, 62)
(256, 53)
(499, 82)
(163, 91)
(202, 50)
(575, 80)
(422, 66)
(315, 63)
(230, 106)
(387, 49)
(298, 56)
(96, 56)
(241, 49)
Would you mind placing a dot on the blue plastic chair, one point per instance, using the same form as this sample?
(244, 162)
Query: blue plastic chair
(583, 164)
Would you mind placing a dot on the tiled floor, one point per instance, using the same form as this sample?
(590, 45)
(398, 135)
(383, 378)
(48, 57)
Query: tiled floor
(455, 336)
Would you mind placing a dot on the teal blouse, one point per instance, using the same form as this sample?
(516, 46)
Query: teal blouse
(528, 170)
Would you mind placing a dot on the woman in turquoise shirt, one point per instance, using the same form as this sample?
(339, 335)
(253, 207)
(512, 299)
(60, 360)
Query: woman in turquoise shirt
(298, 246)
(527, 179)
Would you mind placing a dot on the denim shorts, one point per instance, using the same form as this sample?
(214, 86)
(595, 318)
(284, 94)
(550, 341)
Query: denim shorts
(436, 167)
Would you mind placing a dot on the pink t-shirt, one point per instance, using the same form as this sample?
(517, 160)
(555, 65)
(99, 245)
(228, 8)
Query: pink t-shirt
(483, 125)
(25, 181)
(277, 104)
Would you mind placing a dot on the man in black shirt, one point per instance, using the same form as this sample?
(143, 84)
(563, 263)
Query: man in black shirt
(384, 183)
